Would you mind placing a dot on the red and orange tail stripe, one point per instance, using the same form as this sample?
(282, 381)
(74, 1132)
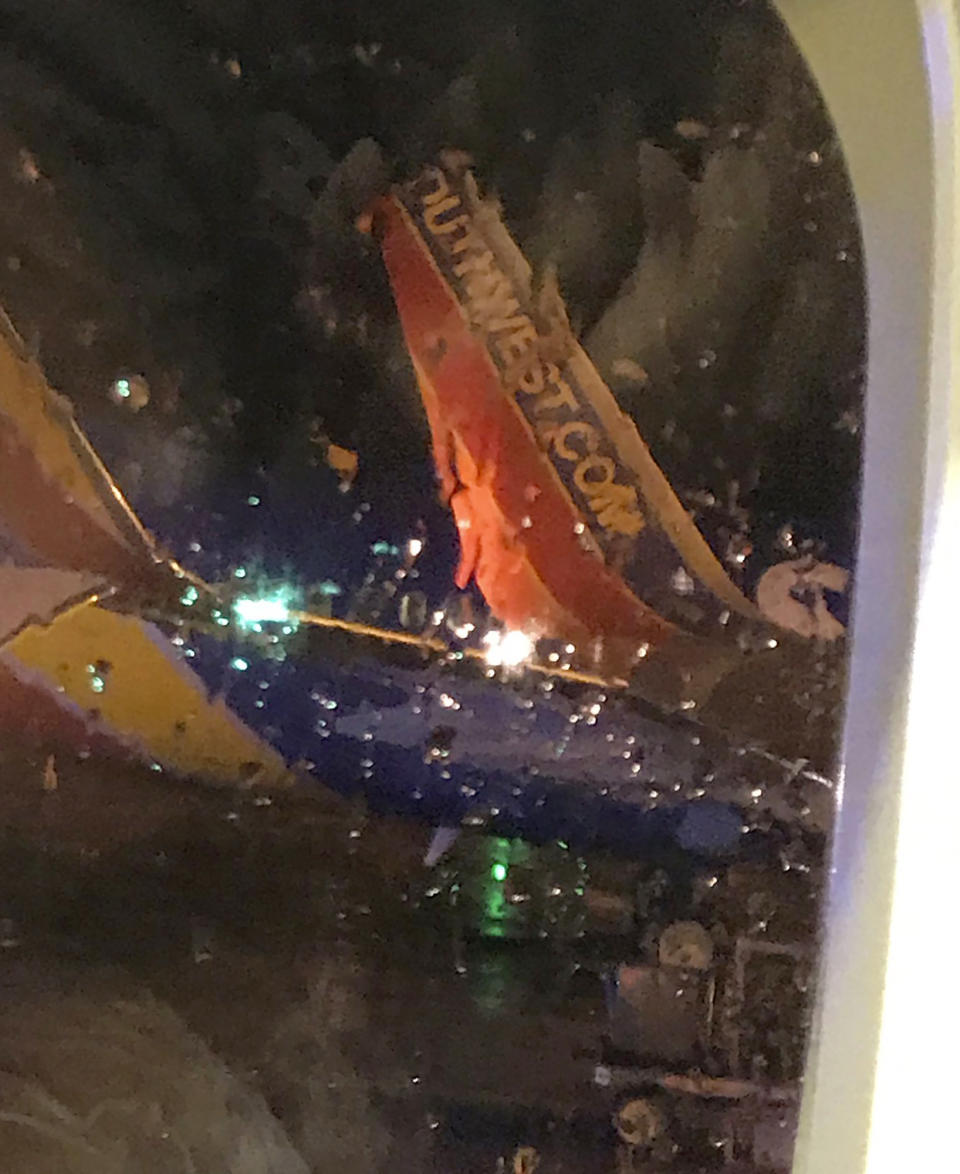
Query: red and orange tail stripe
(567, 524)
(535, 559)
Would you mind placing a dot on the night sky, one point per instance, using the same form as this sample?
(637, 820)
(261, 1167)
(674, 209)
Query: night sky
(200, 166)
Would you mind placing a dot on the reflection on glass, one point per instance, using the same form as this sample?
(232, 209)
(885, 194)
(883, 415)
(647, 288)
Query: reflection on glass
(422, 634)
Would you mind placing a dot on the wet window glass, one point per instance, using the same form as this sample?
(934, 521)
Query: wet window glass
(430, 444)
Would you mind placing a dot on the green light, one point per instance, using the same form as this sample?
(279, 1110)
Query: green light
(499, 872)
(261, 611)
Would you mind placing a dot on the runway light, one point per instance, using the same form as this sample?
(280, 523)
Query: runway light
(509, 649)
(248, 612)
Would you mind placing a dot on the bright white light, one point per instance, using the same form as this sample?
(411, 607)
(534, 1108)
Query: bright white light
(509, 648)
(261, 611)
(414, 547)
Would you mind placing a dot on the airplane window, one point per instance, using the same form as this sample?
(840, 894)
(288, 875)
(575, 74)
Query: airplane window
(431, 446)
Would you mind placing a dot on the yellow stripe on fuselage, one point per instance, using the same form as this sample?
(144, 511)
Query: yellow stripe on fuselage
(150, 699)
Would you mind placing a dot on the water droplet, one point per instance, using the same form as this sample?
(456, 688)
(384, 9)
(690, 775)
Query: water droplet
(131, 392)
(51, 782)
(201, 940)
(9, 934)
